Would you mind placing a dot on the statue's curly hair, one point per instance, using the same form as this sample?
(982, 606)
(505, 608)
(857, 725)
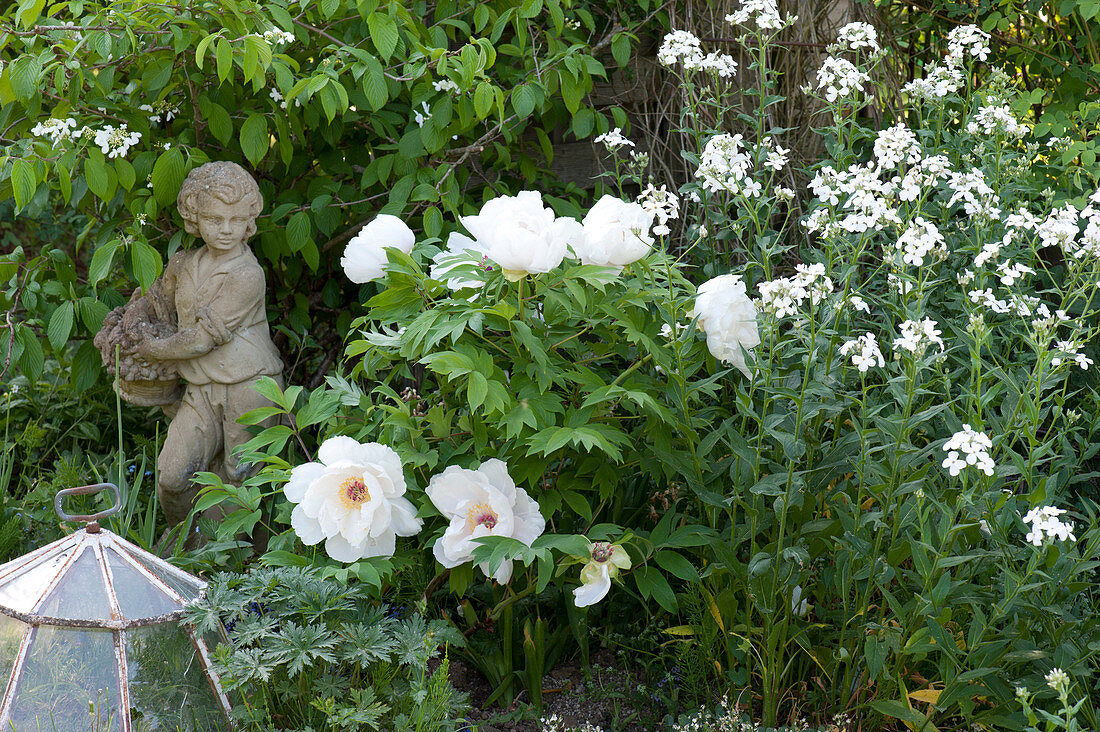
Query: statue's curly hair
(228, 182)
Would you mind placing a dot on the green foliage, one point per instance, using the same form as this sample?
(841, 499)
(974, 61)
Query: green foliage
(310, 652)
(340, 109)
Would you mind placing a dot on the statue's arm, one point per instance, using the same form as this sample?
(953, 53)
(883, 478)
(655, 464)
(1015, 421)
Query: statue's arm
(217, 320)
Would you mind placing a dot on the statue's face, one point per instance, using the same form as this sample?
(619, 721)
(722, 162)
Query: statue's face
(223, 226)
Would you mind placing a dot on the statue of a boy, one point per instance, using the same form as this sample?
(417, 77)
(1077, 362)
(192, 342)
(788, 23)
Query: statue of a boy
(221, 344)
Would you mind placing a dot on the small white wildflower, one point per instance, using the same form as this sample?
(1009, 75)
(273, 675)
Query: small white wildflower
(1046, 524)
(864, 351)
(445, 85)
(968, 447)
(613, 140)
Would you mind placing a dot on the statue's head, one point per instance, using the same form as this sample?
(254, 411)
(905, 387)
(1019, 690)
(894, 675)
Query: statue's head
(227, 182)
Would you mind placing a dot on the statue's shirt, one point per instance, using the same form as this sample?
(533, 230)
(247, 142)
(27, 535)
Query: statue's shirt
(224, 295)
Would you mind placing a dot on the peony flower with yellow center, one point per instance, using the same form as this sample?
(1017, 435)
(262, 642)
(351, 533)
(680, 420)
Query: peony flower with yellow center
(353, 498)
(605, 561)
(482, 502)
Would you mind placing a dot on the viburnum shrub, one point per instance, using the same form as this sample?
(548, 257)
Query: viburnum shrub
(340, 109)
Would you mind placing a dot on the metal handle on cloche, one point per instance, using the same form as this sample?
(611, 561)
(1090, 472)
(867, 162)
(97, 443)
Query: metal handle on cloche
(92, 520)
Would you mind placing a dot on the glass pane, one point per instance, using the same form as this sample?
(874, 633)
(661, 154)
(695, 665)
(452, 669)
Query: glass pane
(23, 591)
(137, 596)
(188, 589)
(82, 592)
(11, 635)
(69, 682)
(169, 689)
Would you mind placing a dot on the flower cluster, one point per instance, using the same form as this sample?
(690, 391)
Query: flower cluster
(939, 82)
(662, 203)
(728, 317)
(922, 239)
(1046, 524)
(864, 351)
(160, 111)
(445, 85)
(841, 79)
(855, 36)
(916, 335)
(115, 142)
(1072, 349)
(996, 119)
(968, 447)
(724, 166)
(613, 140)
(785, 295)
(680, 46)
(897, 144)
(57, 130)
(967, 41)
(278, 36)
(764, 13)
(365, 255)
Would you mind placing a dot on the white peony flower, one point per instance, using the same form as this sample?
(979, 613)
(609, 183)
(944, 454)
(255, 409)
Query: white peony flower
(605, 562)
(728, 317)
(365, 256)
(522, 235)
(353, 498)
(615, 234)
(482, 502)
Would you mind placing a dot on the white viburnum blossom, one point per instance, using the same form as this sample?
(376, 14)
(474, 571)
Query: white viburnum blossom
(840, 79)
(921, 240)
(57, 130)
(728, 317)
(465, 255)
(605, 561)
(680, 45)
(445, 85)
(365, 255)
(613, 140)
(278, 36)
(420, 117)
(115, 142)
(353, 498)
(662, 203)
(482, 502)
(916, 335)
(864, 351)
(615, 233)
(522, 235)
(1046, 524)
(968, 448)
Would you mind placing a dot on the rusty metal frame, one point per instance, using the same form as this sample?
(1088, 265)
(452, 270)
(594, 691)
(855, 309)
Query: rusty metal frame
(70, 549)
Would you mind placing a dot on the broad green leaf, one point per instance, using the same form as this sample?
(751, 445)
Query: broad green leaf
(24, 73)
(225, 59)
(31, 357)
(146, 262)
(299, 231)
(483, 99)
(101, 262)
(60, 326)
(524, 99)
(255, 139)
(29, 10)
(374, 84)
(218, 121)
(383, 33)
(167, 177)
(23, 182)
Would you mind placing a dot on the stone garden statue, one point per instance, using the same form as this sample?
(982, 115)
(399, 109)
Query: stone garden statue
(203, 322)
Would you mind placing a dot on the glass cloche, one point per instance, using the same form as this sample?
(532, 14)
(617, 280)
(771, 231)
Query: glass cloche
(92, 638)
